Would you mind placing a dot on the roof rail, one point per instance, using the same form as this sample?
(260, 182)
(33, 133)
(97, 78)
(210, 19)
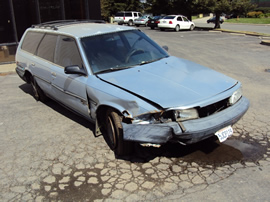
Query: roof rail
(58, 23)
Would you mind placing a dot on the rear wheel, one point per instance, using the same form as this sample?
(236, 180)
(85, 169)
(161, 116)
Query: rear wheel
(177, 28)
(152, 28)
(130, 23)
(38, 93)
(114, 134)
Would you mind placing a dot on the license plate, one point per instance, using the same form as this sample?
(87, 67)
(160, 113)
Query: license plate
(164, 21)
(224, 133)
(152, 21)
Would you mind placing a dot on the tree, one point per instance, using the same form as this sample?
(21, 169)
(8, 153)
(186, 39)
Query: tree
(242, 7)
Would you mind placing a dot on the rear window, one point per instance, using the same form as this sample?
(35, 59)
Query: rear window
(169, 17)
(31, 41)
(119, 14)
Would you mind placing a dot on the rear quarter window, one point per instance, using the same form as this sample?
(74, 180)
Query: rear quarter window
(119, 14)
(31, 41)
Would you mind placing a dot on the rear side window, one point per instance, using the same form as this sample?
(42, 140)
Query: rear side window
(31, 41)
(128, 14)
(67, 53)
(119, 14)
(47, 47)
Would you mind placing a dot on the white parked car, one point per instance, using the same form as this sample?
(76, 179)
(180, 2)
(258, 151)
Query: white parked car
(175, 22)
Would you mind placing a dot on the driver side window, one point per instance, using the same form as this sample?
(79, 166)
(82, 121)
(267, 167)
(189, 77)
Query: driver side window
(67, 53)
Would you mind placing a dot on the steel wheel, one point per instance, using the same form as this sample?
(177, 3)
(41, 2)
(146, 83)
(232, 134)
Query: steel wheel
(114, 134)
(38, 93)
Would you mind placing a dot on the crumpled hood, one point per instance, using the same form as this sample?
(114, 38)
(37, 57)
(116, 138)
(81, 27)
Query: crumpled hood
(171, 82)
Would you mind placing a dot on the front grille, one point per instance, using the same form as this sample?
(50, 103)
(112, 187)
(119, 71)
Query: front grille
(213, 108)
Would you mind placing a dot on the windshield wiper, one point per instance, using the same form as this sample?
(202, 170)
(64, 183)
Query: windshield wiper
(112, 69)
(147, 62)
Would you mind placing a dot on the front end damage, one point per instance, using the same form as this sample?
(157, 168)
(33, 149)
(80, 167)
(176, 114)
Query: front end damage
(186, 128)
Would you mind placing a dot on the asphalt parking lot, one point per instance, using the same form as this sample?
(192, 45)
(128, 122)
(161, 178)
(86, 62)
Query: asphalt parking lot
(49, 154)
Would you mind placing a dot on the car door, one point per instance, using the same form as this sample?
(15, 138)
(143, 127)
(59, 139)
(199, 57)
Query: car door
(186, 23)
(69, 89)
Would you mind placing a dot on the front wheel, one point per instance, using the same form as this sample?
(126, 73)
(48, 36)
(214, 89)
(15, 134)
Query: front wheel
(192, 27)
(114, 134)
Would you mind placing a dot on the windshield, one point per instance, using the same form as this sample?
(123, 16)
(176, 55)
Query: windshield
(120, 50)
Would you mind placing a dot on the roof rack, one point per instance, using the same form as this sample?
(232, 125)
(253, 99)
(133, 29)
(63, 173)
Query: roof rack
(58, 23)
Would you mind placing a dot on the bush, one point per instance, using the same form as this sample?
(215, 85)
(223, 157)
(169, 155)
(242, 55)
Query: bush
(267, 15)
(255, 14)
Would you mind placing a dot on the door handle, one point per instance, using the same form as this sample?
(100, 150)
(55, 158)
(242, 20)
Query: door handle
(53, 74)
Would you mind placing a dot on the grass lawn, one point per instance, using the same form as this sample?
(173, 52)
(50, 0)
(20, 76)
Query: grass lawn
(249, 20)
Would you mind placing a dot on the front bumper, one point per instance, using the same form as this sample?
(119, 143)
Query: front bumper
(189, 132)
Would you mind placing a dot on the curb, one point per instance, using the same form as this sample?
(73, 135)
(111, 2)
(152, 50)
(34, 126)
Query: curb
(7, 69)
(265, 42)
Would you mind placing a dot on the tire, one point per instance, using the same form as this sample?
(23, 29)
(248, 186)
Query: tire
(114, 134)
(152, 28)
(177, 28)
(137, 25)
(191, 27)
(130, 23)
(162, 29)
(38, 93)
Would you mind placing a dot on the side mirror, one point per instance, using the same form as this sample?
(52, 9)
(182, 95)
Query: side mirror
(74, 69)
(165, 48)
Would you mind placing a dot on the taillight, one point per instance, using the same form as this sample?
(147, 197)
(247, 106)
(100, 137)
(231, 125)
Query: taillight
(124, 18)
(170, 22)
(157, 22)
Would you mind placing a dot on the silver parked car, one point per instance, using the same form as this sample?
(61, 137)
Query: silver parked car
(127, 85)
(142, 20)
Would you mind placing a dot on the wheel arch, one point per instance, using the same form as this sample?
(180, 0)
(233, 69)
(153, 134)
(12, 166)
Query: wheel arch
(27, 76)
(101, 116)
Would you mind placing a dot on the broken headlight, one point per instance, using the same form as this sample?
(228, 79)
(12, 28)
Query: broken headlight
(146, 118)
(235, 96)
(185, 114)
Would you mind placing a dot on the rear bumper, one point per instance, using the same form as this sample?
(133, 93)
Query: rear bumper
(20, 71)
(166, 26)
(189, 132)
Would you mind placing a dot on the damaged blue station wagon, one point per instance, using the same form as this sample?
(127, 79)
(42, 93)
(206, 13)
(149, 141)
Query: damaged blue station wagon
(130, 87)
